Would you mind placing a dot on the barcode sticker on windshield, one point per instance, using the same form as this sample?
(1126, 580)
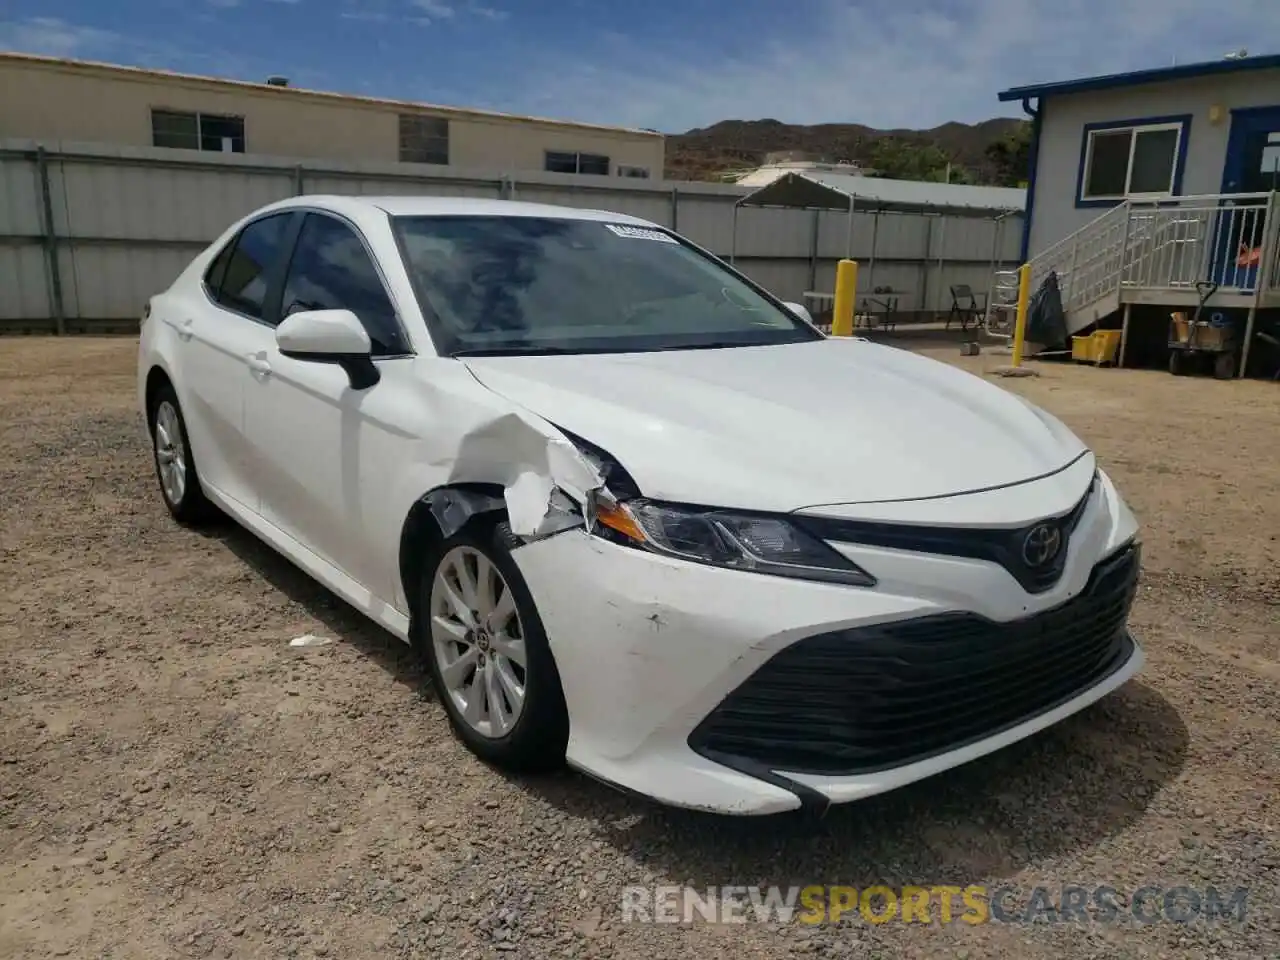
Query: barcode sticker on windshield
(640, 233)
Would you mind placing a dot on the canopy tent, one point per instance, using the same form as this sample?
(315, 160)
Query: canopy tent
(875, 195)
(834, 191)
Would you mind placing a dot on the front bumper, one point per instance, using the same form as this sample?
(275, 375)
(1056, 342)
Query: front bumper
(661, 663)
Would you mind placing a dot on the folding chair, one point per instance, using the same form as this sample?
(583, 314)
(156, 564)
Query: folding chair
(965, 306)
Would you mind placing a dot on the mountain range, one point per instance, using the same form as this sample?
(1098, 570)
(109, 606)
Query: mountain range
(708, 153)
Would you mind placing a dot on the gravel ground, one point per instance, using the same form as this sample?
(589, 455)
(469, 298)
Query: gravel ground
(177, 781)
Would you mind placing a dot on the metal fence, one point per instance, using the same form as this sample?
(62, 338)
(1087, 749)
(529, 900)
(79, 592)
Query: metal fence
(88, 232)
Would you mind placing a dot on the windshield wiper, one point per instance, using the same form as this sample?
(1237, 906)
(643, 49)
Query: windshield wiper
(513, 351)
(727, 344)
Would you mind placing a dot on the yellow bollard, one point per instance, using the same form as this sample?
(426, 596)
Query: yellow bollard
(846, 296)
(1020, 324)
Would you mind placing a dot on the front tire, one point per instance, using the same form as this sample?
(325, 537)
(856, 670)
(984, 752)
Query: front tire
(175, 465)
(488, 653)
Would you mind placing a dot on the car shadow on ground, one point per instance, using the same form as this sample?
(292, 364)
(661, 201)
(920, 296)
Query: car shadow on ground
(342, 621)
(1054, 795)
(1057, 794)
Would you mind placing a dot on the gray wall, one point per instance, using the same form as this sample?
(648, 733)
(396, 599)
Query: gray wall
(1055, 214)
(125, 221)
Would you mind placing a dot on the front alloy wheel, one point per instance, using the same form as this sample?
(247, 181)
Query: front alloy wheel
(478, 641)
(488, 653)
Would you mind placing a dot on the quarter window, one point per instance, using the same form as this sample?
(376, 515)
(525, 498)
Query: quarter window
(332, 270)
(218, 269)
(1127, 161)
(239, 275)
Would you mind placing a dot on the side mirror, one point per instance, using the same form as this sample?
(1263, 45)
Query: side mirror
(800, 310)
(330, 336)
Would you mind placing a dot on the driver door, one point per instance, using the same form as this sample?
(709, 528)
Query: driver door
(316, 439)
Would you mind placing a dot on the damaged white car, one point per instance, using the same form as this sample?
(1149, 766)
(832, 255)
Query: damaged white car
(638, 514)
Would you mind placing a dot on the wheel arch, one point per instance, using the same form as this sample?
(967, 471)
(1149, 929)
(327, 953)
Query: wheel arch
(434, 517)
(157, 378)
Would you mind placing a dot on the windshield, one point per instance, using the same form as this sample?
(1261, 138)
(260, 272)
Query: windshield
(492, 284)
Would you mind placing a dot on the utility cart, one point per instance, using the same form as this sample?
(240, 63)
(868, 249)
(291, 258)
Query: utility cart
(1198, 337)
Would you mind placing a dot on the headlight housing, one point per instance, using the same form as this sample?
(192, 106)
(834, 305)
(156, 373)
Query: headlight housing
(758, 542)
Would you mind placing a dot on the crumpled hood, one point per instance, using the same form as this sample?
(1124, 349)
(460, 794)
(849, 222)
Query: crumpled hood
(784, 427)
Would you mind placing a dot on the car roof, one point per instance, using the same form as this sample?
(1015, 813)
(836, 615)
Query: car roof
(425, 206)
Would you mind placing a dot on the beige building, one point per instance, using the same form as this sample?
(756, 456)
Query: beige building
(47, 99)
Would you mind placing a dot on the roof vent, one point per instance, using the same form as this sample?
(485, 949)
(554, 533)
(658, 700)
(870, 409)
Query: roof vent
(277, 81)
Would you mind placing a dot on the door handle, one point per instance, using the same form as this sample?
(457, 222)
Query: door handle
(258, 364)
(185, 328)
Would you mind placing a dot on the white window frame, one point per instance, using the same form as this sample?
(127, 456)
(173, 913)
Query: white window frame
(1133, 130)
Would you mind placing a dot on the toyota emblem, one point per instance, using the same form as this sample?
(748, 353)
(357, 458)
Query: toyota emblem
(1041, 545)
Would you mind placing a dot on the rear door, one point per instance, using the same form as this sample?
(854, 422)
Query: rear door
(220, 333)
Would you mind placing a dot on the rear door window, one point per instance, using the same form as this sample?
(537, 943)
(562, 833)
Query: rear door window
(242, 272)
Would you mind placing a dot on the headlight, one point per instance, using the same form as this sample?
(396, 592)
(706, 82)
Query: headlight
(764, 544)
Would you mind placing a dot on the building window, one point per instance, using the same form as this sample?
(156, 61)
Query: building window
(638, 173)
(211, 132)
(1132, 159)
(423, 139)
(577, 163)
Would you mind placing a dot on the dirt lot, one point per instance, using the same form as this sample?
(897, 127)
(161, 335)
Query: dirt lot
(176, 781)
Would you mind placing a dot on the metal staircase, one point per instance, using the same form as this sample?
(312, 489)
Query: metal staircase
(1155, 251)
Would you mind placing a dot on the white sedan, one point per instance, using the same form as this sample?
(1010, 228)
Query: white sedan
(638, 514)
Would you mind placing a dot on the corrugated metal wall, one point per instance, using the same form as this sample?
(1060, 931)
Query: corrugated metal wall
(125, 221)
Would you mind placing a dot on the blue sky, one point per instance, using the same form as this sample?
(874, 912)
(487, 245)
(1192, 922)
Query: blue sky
(667, 64)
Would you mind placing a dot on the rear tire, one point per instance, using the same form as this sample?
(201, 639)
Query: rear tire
(175, 465)
(490, 662)
(1177, 363)
(1224, 366)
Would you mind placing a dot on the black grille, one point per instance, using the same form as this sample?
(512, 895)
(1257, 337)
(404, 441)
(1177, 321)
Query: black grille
(1002, 546)
(866, 699)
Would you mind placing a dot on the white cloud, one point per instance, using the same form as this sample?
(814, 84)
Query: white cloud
(435, 9)
(55, 38)
(882, 63)
(486, 13)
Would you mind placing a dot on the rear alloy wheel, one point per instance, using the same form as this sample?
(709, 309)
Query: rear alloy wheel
(489, 656)
(175, 467)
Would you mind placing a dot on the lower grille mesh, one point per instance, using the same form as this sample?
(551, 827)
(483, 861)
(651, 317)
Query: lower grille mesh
(861, 700)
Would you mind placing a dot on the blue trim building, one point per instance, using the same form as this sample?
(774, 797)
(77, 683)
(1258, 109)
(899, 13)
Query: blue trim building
(1165, 132)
